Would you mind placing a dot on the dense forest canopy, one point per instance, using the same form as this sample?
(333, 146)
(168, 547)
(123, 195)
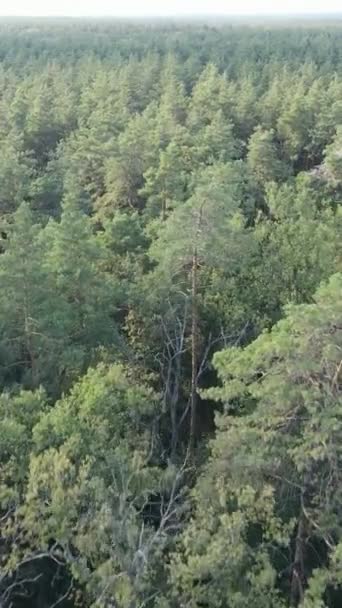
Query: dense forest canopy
(170, 314)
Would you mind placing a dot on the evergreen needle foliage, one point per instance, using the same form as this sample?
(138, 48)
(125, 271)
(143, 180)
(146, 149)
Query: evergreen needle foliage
(170, 315)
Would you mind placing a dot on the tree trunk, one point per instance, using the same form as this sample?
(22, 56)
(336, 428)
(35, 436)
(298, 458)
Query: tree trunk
(28, 341)
(173, 410)
(194, 351)
(298, 573)
(164, 207)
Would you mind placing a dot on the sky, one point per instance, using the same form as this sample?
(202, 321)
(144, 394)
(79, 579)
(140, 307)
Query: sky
(139, 8)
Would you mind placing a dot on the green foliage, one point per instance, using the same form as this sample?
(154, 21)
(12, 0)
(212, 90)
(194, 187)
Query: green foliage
(263, 157)
(274, 468)
(92, 463)
(333, 156)
(168, 191)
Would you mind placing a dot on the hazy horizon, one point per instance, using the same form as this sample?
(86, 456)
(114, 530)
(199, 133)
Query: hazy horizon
(169, 8)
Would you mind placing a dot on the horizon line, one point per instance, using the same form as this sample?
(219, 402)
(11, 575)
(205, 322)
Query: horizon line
(177, 15)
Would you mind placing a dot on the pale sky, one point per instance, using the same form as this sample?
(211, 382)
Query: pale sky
(162, 7)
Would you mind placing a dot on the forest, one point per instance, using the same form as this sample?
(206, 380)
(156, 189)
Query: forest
(170, 314)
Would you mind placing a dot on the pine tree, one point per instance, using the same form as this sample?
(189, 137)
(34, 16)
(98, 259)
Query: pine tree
(269, 495)
(196, 235)
(263, 157)
(24, 302)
